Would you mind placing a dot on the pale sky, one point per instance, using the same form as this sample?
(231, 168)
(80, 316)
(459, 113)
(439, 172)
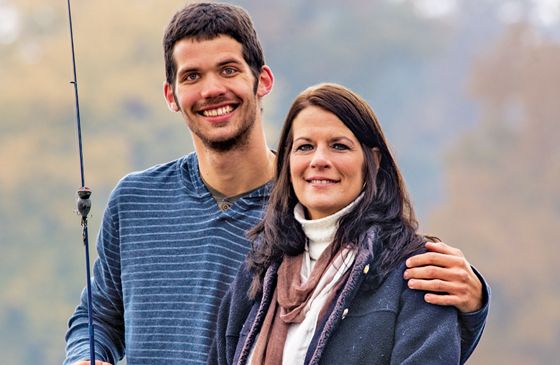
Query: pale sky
(9, 23)
(543, 13)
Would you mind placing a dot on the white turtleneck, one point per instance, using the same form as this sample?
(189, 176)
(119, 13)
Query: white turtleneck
(320, 234)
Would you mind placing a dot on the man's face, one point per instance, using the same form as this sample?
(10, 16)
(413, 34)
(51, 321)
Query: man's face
(214, 90)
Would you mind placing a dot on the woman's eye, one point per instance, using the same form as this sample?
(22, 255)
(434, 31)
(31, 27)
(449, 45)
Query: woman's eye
(340, 146)
(304, 147)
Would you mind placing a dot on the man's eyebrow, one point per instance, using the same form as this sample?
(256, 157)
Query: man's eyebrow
(228, 61)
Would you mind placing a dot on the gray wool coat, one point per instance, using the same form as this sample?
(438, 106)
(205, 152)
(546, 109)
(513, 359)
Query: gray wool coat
(370, 322)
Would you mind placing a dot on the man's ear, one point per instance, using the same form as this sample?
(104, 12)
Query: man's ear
(376, 157)
(266, 80)
(169, 95)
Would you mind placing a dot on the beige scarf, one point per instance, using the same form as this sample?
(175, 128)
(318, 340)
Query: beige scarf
(292, 298)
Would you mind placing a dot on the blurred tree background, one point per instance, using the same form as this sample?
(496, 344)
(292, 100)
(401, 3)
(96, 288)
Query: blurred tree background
(466, 91)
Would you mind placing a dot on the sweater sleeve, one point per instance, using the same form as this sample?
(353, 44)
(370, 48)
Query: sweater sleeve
(108, 321)
(472, 323)
(425, 333)
(232, 316)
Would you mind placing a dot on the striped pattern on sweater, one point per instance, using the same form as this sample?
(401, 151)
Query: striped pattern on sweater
(167, 255)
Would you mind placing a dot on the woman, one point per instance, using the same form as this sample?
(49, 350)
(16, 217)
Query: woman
(323, 282)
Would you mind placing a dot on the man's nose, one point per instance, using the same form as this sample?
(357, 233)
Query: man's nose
(212, 86)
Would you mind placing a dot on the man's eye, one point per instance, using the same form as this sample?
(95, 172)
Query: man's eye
(228, 71)
(190, 77)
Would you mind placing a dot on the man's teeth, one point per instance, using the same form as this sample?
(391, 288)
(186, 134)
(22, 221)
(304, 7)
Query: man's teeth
(321, 181)
(218, 112)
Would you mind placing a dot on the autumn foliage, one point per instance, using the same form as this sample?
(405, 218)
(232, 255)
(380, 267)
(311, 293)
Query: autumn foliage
(503, 196)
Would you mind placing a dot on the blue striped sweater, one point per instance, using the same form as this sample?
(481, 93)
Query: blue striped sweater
(167, 255)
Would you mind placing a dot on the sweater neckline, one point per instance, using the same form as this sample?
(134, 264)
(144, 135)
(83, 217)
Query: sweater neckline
(190, 174)
(320, 232)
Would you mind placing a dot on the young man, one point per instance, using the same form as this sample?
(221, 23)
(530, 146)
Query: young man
(173, 236)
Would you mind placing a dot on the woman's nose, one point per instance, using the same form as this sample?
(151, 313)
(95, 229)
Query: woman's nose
(320, 159)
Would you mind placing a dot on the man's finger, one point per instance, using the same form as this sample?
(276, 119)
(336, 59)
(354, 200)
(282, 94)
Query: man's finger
(433, 258)
(434, 272)
(443, 248)
(440, 299)
(438, 286)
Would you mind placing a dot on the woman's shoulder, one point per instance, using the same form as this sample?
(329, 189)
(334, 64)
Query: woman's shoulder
(392, 280)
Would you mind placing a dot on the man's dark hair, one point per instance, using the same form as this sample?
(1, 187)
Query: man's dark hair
(206, 21)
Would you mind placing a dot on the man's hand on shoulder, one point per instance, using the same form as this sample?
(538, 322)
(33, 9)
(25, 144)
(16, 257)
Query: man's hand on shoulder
(447, 275)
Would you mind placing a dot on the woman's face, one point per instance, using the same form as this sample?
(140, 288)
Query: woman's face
(326, 162)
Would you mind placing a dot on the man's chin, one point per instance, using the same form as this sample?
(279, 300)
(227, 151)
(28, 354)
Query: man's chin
(222, 146)
(226, 145)
(231, 143)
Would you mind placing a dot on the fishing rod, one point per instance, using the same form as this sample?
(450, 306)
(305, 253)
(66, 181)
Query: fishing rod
(83, 203)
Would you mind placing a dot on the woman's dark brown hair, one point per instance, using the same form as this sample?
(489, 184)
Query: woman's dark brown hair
(385, 205)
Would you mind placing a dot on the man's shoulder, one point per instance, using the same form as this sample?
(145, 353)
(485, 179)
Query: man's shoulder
(165, 176)
(161, 172)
